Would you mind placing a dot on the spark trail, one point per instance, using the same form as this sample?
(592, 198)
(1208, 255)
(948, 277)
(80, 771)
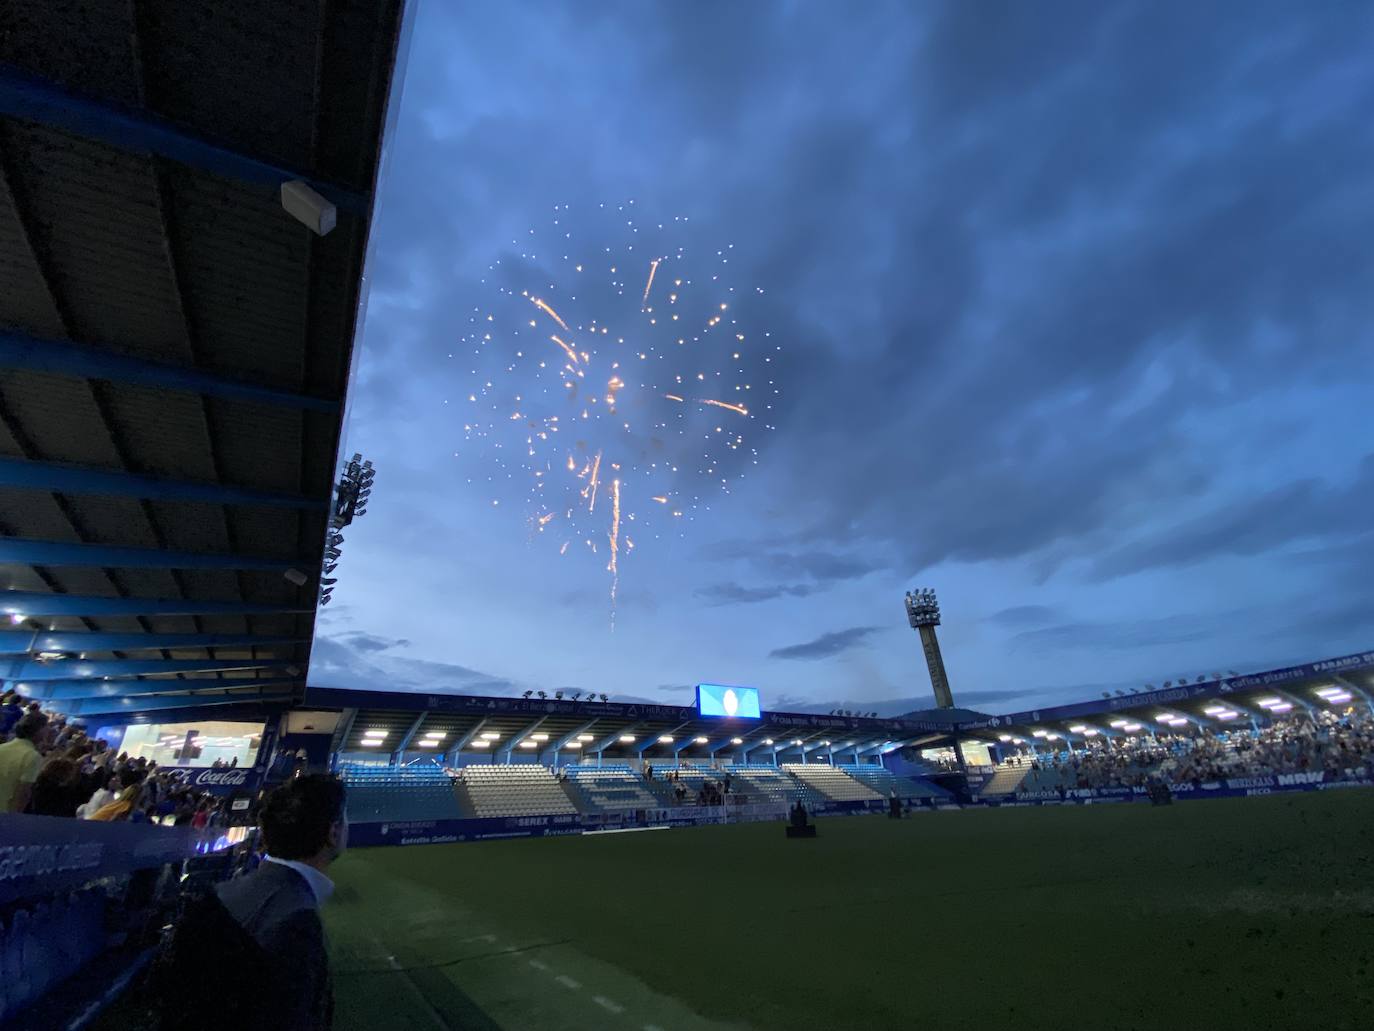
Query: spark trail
(659, 367)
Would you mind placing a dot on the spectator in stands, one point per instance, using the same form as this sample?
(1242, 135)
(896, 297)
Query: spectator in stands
(20, 761)
(304, 829)
(107, 786)
(58, 789)
(10, 712)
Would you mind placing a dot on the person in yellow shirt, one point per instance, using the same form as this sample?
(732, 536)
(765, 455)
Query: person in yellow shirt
(20, 761)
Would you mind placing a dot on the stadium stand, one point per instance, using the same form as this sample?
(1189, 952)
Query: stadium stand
(421, 792)
(884, 781)
(608, 788)
(830, 783)
(523, 789)
(1005, 780)
(764, 783)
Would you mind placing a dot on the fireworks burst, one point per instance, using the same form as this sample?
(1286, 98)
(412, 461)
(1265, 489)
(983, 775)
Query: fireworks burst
(651, 396)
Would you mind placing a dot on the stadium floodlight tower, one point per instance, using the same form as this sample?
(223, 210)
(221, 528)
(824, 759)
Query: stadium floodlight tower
(923, 613)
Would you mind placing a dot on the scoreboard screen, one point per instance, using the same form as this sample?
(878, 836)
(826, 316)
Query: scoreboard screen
(721, 700)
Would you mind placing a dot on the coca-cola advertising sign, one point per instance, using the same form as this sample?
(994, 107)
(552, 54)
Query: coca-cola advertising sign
(223, 781)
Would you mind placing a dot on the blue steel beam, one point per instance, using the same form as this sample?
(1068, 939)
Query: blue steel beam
(132, 688)
(20, 351)
(38, 603)
(613, 737)
(34, 100)
(73, 479)
(556, 746)
(22, 642)
(108, 669)
(514, 742)
(61, 553)
(118, 707)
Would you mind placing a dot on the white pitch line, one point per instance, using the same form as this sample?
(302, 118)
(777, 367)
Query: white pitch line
(652, 1027)
(568, 982)
(477, 938)
(538, 966)
(607, 1004)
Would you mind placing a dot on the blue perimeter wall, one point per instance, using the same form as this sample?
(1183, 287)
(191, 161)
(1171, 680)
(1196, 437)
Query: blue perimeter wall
(433, 832)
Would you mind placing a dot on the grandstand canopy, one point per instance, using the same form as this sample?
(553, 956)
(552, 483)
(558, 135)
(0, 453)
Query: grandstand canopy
(1211, 703)
(569, 728)
(175, 347)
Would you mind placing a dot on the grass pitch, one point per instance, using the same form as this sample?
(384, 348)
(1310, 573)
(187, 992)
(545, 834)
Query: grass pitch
(1253, 913)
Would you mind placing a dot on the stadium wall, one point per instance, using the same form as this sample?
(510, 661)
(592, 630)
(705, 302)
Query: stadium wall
(434, 832)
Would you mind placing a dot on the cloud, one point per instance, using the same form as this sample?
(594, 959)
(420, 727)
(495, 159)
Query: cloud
(364, 642)
(349, 663)
(826, 645)
(735, 594)
(1022, 615)
(1114, 636)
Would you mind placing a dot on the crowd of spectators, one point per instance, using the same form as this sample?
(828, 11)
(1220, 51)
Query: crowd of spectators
(1336, 744)
(50, 767)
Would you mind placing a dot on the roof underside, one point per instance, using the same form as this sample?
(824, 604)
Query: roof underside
(174, 347)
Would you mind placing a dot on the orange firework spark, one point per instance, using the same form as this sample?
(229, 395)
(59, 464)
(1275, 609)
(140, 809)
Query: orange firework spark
(596, 470)
(572, 355)
(553, 314)
(544, 519)
(660, 499)
(726, 404)
(653, 267)
(672, 397)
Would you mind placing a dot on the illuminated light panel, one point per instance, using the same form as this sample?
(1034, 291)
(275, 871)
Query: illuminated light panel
(1040, 733)
(1269, 703)
(539, 737)
(1120, 723)
(1090, 732)
(1003, 737)
(480, 744)
(737, 741)
(699, 740)
(665, 739)
(586, 737)
(491, 735)
(1078, 728)
(627, 739)
(428, 743)
(768, 741)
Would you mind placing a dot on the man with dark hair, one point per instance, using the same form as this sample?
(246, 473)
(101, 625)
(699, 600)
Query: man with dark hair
(20, 761)
(304, 829)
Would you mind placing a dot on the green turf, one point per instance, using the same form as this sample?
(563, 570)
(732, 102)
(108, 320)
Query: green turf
(1247, 913)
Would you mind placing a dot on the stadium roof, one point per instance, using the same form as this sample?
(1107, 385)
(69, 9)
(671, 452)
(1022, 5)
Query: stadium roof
(1207, 702)
(590, 726)
(563, 724)
(175, 347)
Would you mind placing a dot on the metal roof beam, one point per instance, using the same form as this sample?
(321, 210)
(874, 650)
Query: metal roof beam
(66, 358)
(22, 642)
(613, 737)
(516, 738)
(71, 479)
(36, 670)
(39, 603)
(563, 741)
(52, 689)
(66, 553)
(34, 100)
(410, 734)
(127, 707)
